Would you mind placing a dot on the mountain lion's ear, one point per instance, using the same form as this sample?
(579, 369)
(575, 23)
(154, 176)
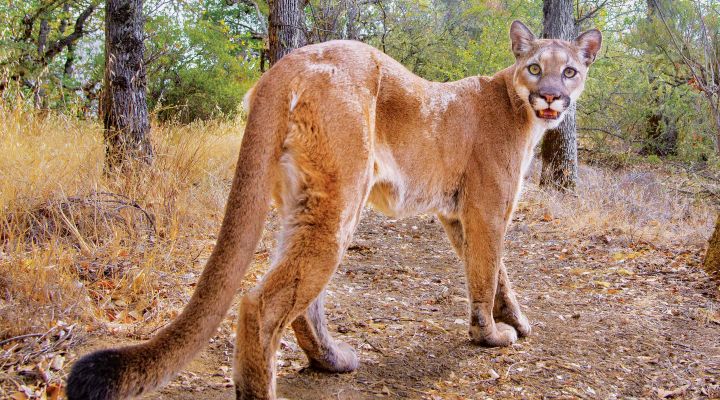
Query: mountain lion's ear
(521, 38)
(589, 43)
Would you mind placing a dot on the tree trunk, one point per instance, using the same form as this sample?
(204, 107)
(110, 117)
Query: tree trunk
(661, 133)
(716, 114)
(712, 257)
(352, 16)
(42, 38)
(285, 28)
(39, 93)
(559, 148)
(69, 61)
(124, 106)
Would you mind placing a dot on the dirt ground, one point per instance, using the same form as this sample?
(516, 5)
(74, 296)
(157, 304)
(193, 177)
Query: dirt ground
(612, 318)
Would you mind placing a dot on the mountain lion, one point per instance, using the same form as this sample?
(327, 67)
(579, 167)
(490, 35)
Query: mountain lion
(334, 126)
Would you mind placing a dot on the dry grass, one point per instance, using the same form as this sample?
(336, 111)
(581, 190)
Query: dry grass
(77, 245)
(637, 204)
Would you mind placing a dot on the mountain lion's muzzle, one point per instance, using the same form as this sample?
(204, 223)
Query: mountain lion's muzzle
(549, 104)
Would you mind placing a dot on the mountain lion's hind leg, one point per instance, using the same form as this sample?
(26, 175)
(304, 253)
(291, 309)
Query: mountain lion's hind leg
(326, 172)
(311, 250)
(323, 351)
(507, 308)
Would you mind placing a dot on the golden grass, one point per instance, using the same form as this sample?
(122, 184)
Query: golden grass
(637, 204)
(77, 245)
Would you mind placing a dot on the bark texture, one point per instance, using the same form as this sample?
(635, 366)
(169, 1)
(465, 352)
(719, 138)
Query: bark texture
(559, 148)
(352, 20)
(124, 106)
(712, 257)
(285, 28)
(661, 131)
(716, 113)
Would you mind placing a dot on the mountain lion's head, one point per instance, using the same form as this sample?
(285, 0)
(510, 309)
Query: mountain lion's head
(550, 74)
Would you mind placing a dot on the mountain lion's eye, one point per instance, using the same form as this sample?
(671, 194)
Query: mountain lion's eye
(569, 72)
(534, 69)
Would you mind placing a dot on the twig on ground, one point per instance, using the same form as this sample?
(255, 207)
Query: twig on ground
(377, 349)
(21, 337)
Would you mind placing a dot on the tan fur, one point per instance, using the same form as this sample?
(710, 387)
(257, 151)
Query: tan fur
(332, 127)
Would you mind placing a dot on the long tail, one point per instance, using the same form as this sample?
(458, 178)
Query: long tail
(129, 371)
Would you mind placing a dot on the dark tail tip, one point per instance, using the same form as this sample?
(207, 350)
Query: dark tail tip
(97, 376)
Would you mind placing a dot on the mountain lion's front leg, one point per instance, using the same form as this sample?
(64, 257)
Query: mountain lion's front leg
(484, 231)
(506, 309)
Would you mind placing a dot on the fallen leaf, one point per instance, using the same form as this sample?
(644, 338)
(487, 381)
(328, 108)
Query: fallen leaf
(53, 391)
(434, 324)
(57, 362)
(377, 325)
(666, 394)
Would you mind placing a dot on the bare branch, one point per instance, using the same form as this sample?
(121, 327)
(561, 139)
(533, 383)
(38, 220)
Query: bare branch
(60, 44)
(29, 19)
(688, 62)
(590, 13)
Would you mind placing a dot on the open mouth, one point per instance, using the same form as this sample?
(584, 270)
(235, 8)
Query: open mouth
(547, 114)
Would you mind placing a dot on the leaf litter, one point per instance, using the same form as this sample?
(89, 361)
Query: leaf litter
(612, 318)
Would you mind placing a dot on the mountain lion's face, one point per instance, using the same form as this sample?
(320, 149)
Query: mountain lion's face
(550, 74)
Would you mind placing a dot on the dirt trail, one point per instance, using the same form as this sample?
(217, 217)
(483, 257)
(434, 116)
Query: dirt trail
(612, 318)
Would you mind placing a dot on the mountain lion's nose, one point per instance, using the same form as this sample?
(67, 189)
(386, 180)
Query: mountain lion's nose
(550, 97)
